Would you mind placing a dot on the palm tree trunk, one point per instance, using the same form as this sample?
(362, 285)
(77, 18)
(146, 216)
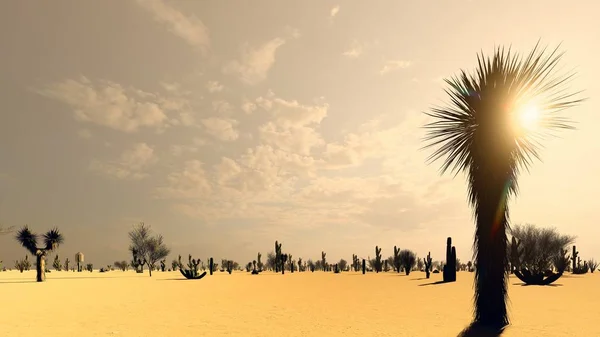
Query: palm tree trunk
(490, 252)
(40, 266)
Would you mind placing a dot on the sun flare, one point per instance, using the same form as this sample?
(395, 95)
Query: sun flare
(527, 117)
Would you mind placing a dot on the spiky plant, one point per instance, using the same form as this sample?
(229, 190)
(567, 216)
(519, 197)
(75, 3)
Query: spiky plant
(52, 239)
(491, 131)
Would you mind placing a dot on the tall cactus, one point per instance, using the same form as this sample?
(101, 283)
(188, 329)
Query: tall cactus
(397, 264)
(427, 264)
(282, 262)
(323, 261)
(211, 265)
(450, 266)
(377, 259)
(515, 255)
(364, 266)
(574, 256)
(277, 255)
(258, 262)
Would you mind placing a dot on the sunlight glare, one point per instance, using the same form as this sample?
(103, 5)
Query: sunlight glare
(528, 116)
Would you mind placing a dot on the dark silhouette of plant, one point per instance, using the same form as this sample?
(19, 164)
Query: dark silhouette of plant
(355, 262)
(300, 267)
(271, 261)
(79, 259)
(175, 264)
(123, 265)
(580, 268)
(593, 264)
(396, 259)
(311, 265)
(427, 262)
(540, 249)
(342, 264)
(323, 261)
(449, 268)
(408, 259)
(278, 258)
(191, 273)
(147, 249)
(67, 264)
(377, 265)
(89, 267)
(259, 263)
(480, 134)
(23, 264)
(52, 239)
(56, 264)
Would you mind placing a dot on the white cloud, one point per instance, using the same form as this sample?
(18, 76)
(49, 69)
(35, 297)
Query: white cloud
(221, 128)
(214, 86)
(355, 50)
(394, 65)
(131, 165)
(248, 107)
(187, 27)
(222, 107)
(109, 104)
(333, 12)
(254, 63)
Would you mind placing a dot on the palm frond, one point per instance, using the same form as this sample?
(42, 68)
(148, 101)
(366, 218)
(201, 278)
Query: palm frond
(483, 104)
(27, 239)
(53, 239)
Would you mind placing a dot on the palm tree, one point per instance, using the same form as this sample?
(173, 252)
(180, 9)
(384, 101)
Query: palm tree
(491, 131)
(52, 239)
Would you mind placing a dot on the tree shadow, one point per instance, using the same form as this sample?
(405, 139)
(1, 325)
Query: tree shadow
(539, 285)
(476, 330)
(433, 283)
(419, 279)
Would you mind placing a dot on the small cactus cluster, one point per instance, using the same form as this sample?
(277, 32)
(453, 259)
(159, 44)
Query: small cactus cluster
(355, 262)
(450, 266)
(191, 273)
(89, 267)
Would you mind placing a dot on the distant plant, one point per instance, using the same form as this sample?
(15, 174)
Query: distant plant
(300, 268)
(581, 268)
(408, 260)
(378, 263)
(427, 263)
(56, 264)
(175, 264)
(396, 259)
(271, 263)
(79, 258)
(593, 264)
(324, 261)
(311, 265)
(23, 264)
(191, 273)
(278, 265)
(89, 267)
(259, 264)
(147, 249)
(420, 264)
(469, 266)
(66, 267)
(122, 265)
(52, 239)
(163, 266)
(342, 264)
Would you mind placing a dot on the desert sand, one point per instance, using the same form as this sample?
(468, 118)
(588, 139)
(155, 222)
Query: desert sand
(316, 304)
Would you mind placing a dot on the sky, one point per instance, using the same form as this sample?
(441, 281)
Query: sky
(227, 125)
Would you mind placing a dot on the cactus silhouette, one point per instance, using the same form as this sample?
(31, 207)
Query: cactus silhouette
(427, 264)
(377, 259)
(397, 264)
(450, 266)
(191, 273)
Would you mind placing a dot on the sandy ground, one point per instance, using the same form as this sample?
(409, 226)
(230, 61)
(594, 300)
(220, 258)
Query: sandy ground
(300, 304)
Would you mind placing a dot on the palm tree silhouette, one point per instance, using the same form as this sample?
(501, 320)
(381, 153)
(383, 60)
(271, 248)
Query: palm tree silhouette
(491, 131)
(52, 239)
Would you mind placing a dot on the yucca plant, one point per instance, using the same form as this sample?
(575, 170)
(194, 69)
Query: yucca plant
(491, 131)
(52, 239)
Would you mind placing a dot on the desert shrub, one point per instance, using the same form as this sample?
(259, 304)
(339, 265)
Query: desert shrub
(593, 264)
(408, 259)
(89, 267)
(342, 264)
(540, 247)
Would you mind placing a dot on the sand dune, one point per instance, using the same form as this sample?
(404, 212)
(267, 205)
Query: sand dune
(300, 304)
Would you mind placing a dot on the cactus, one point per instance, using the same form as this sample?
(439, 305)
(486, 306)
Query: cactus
(397, 263)
(300, 267)
(163, 266)
(337, 269)
(323, 261)
(377, 259)
(290, 262)
(89, 267)
(364, 266)
(229, 267)
(574, 257)
(277, 255)
(191, 273)
(427, 264)
(515, 255)
(283, 258)
(211, 265)
(67, 264)
(259, 264)
(450, 266)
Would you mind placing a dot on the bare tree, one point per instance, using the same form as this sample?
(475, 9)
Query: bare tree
(146, 248)
(540, 246)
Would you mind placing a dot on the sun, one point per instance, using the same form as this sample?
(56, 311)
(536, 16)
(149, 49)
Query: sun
(527, 117)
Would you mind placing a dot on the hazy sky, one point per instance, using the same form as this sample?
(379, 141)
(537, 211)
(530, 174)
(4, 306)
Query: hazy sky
(227, 125)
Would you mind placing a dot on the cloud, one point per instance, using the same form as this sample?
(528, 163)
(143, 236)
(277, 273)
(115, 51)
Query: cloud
(131, 165)
(394, 65)
(355, 50)
(187, 27)
(110, 104)
(214, 86)
(248, 107)
(221, 128)
(254, 63)
(84, 133)
(333, 12)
